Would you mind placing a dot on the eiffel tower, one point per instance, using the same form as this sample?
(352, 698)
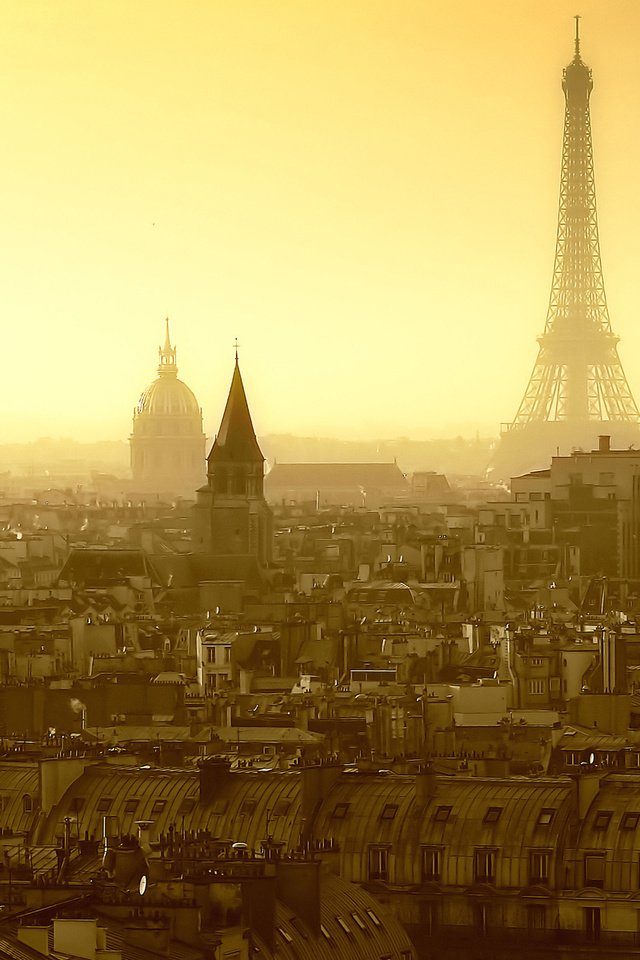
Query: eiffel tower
(578, 388)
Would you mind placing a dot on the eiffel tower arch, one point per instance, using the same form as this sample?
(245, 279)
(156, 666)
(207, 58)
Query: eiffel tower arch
(577, 389)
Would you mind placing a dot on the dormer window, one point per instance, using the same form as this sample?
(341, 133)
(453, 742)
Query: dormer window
(492, 815)
(602, 819)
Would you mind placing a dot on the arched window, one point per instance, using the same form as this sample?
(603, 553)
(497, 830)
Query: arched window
(27, 803)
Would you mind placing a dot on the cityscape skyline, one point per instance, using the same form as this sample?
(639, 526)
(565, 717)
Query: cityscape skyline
(319, 213)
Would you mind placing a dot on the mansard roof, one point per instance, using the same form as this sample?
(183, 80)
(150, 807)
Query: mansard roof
(171, 798)
(236, 441)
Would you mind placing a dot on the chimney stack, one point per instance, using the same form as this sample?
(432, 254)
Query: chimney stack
(604, 443)
(213, 775)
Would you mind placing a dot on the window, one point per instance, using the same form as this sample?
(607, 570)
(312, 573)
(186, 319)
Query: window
(539, 866)
(536, 917)
(592, 923)
(281, 808)
(27, 803)
(340, 811)
(442, 814)
(158, 807)
(536, 661)
(546, 816)
(602, 819)
(492, 815)
(345, 926)
(227, 655)
(211, 654)
(389, 811)
(131, 805)
(484, 866)
(594, 870)
(325, 933)
(360, 922)
(187, 805)
(378, 863)
(431, 863)
(606, 479)
(481, 911)
(429, 915)
(219, 807)
(537, 687)
(248, 807)
(77, 803)
(629, 821)
(104, 804)
(285, 936)
(374, 918)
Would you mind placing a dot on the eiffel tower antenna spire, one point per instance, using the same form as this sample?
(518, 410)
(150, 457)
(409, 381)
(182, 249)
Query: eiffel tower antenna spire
(578, 386)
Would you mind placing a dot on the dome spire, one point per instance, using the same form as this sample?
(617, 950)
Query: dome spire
(167, 354)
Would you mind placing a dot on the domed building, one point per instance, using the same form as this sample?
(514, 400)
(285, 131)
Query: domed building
(167, 441)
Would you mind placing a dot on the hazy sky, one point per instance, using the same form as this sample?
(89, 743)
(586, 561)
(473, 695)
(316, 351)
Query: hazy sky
(364, 192)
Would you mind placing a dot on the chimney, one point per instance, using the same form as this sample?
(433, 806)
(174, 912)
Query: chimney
(214, 772)
(259, 907)
(425, 784)
(604, 443)
(110, 835)
(298, 887)
(144, 835)
(35, 937)
(588, 788)
(317, 782)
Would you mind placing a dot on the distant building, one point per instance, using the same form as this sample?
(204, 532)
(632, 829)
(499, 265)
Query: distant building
(348, 484)
(167, 441)
(430, 486)
(591, 501)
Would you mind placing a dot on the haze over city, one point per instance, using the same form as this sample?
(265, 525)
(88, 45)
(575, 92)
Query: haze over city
(363, 193)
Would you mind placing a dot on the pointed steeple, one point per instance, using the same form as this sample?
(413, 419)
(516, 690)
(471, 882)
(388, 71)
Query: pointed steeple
(236, 441)
(167, 354)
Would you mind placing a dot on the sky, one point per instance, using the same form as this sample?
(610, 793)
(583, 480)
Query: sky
(362, 192)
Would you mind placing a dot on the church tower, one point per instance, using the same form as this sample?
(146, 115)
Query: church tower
(232, 517)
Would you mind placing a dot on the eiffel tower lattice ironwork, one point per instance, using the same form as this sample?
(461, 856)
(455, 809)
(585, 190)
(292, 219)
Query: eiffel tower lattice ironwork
(578, 376)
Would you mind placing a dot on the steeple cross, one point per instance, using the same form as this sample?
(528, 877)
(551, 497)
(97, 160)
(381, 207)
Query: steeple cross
(235, 347)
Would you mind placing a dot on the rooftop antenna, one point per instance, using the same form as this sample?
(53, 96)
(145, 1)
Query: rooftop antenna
(577, 19)
(235, 347)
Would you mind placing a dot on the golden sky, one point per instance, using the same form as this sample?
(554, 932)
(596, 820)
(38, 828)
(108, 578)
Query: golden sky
(364, 192)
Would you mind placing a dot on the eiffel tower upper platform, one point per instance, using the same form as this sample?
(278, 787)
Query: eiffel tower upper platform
(578, 388)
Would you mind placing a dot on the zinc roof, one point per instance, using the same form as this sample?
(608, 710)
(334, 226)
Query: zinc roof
(170, 798)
